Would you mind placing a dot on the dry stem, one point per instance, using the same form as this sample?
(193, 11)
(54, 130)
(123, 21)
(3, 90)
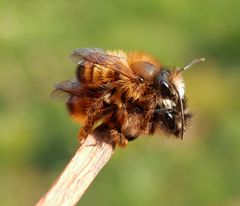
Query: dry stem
(89, 159)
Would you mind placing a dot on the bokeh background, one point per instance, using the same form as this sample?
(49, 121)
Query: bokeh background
(37, 137)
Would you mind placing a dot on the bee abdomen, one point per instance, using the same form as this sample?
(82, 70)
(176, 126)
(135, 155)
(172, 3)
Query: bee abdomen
(90, 73)
(77, 108)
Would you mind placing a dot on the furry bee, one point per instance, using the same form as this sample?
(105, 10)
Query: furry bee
(130, 94)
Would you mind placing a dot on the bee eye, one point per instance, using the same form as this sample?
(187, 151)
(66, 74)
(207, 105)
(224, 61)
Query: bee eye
(169, 121)
(165, 90)
(138, 109)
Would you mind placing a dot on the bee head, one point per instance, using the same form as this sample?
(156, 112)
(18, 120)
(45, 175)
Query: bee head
(170, 87)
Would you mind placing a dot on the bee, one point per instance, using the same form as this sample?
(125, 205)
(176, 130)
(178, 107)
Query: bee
(128, 94)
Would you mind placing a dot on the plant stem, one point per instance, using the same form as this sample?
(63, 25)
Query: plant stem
(88, 161)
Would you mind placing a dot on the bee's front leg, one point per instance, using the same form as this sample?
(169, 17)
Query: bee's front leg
(84, 131)
(110, 135)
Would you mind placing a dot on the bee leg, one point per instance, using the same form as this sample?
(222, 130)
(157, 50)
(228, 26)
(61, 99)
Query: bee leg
(112, 136)
(131, 138)
(117, 138)
(123, 141)
(83, 133)
(93, 114)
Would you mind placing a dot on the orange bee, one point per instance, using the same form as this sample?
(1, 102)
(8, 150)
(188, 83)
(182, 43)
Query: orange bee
(130, 94)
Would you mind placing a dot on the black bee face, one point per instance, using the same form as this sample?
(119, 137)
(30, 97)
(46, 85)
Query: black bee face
(162, 84)
(168, 121)
(165, 90)
(173, 105)
(171, 121)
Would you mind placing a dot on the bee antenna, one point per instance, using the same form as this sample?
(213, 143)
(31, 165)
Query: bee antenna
(195, 61)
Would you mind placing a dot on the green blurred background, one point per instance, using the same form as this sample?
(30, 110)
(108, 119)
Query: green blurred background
(37, 137)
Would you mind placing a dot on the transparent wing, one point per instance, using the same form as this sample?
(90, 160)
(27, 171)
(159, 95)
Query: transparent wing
(72, 86)
(64, 90)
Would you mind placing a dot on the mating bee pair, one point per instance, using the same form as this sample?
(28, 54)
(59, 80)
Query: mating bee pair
(130, 94)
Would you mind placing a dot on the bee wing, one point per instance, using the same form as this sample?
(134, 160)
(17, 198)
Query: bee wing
(60, 96)
(72, 86)
(64, 90)
(107, 59)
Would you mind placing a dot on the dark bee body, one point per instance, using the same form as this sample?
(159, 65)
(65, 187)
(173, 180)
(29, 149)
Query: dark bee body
(129, 94)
